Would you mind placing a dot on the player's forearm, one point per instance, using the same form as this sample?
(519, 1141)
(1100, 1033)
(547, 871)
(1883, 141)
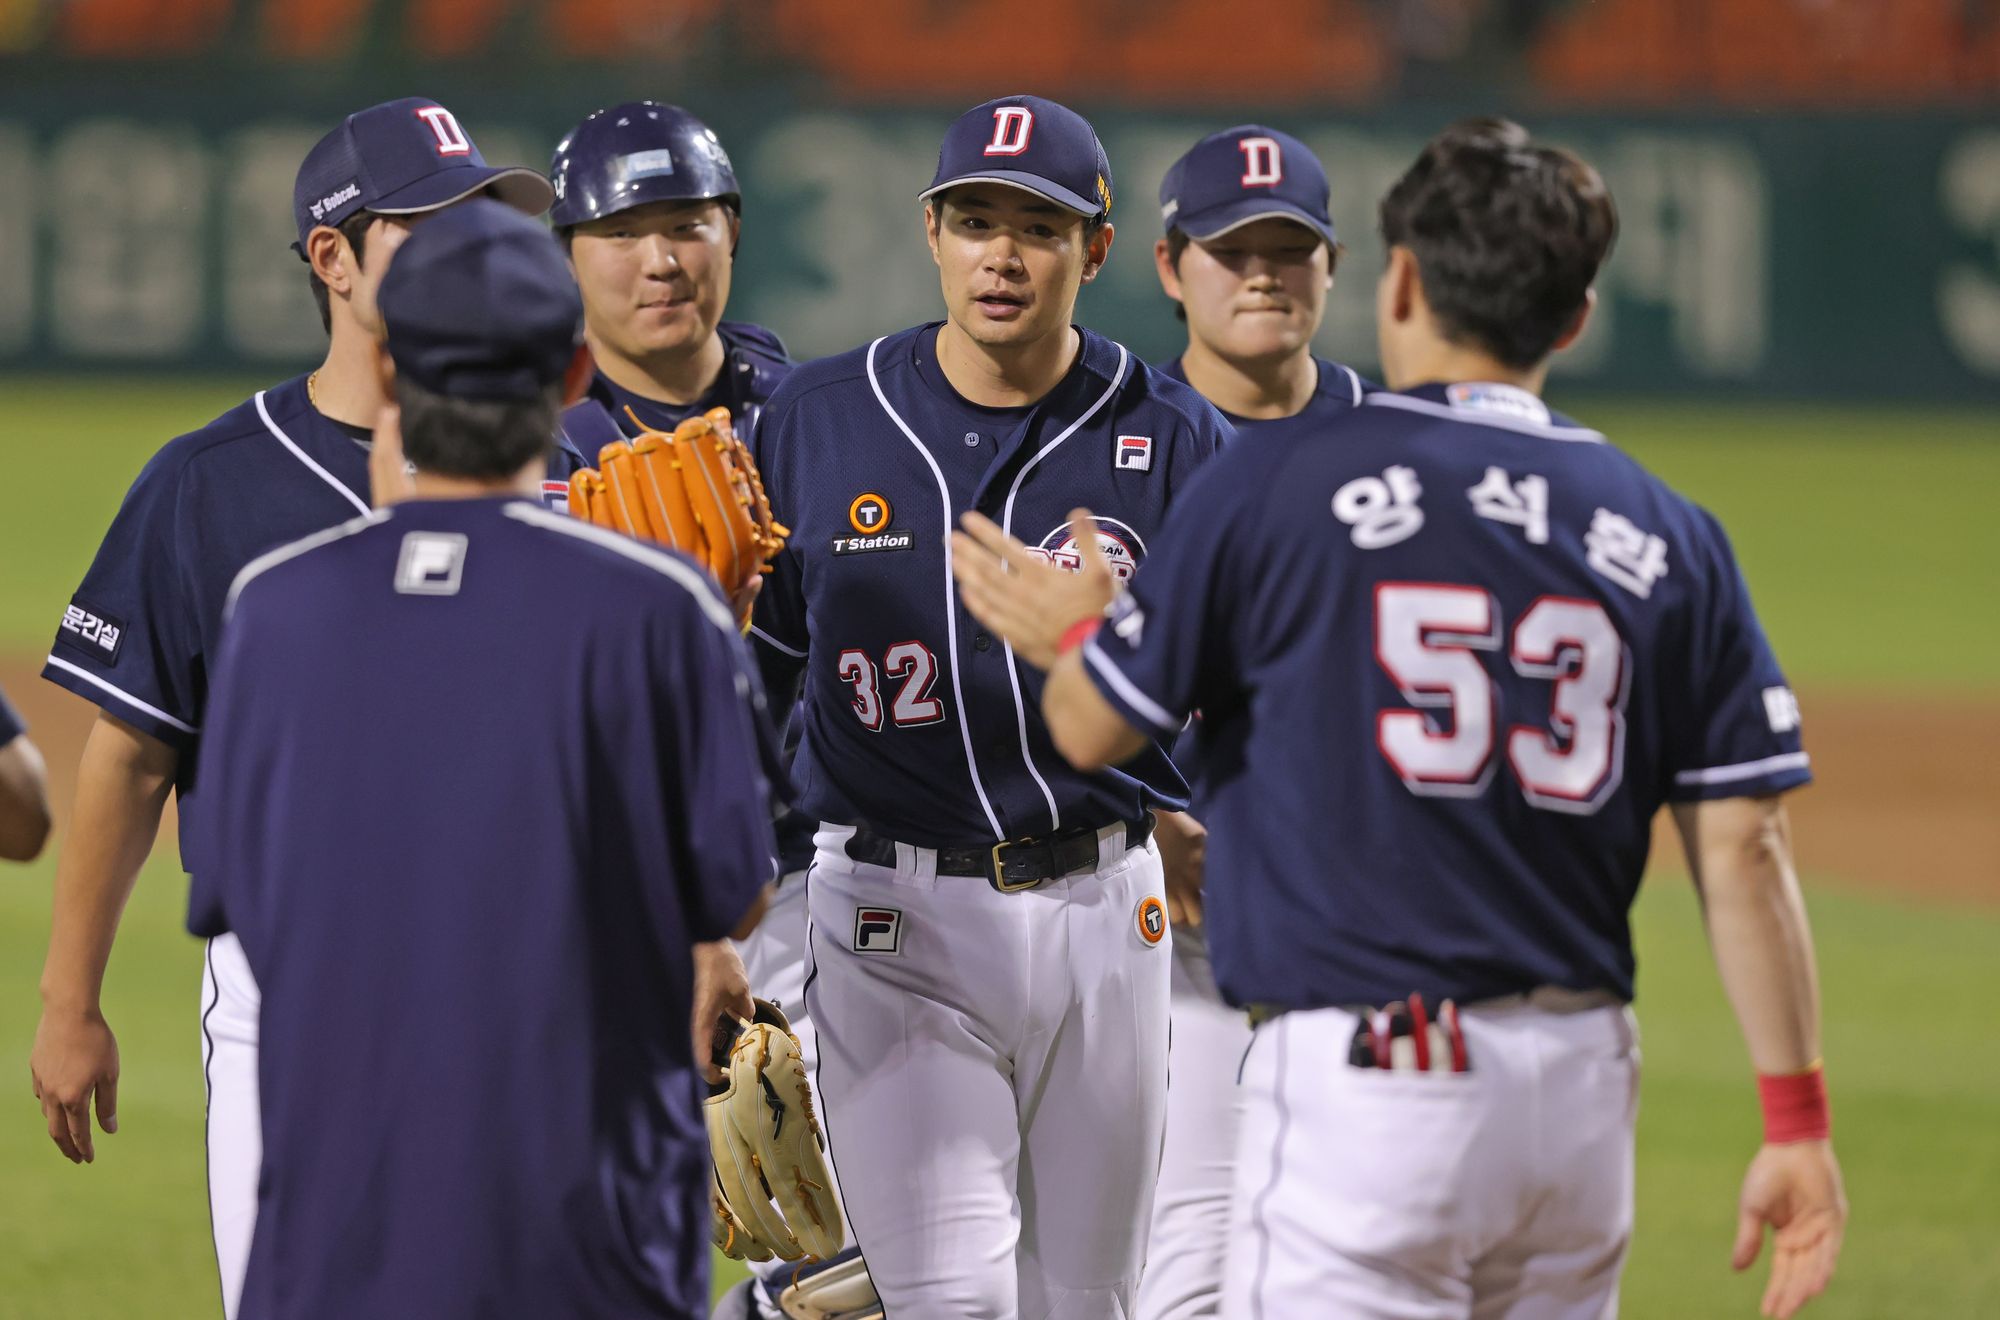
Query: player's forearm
(24, 801)
(122, 786)
(1740, 852)
(1086, 729)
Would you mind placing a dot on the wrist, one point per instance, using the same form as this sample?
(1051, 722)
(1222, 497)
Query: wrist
(1078, 633)
(1795, 1106)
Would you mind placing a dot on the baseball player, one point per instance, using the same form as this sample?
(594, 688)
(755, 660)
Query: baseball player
(138, 639)
(1248, 256)
(1451, 660)
(650, 212)
(24, 790)
(989, 947)
(480, 1094)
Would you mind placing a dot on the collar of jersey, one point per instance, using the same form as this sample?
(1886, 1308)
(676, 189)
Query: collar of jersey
(1098, 359)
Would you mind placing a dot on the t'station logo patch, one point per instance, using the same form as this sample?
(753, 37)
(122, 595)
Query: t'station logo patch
(868, 514)
(99, 633)
(431, 564)
(878, 930)
(1152, 919)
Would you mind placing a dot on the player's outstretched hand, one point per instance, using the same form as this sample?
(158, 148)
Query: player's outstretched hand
(1795, 1188)
(1021, 595)
(721, 988)
(75, 1057)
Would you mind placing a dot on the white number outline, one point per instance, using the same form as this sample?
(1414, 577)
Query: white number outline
(855, 668)
(1583, 693)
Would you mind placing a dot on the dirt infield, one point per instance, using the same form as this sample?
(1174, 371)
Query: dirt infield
(1903, 804)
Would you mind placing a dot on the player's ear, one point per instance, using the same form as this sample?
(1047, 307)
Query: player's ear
(1163, 263)
(1404, 289)
(932, 219)
(327, 254)
(1098, 250)
(1575, 331)
(576, 381)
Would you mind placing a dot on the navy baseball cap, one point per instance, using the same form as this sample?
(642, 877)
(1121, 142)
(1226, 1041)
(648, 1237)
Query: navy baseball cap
(402, 158)
(1028, 142)
(479, 303)
(1243, 174)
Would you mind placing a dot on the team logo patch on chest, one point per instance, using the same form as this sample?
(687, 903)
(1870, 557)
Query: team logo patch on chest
(869, 516)
(1119, 544)
(878, 930)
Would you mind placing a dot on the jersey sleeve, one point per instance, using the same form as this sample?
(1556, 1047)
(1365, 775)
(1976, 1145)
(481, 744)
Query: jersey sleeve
(1172, 642)
(778, 621)
(1738, 725)
(718, 754)
(11, 724)
(130, 639)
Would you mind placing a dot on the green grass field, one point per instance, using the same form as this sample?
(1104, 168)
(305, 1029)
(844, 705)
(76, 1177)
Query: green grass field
(1867, 535)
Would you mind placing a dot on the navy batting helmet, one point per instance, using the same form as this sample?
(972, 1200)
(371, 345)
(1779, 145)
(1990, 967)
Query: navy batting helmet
(635, 153)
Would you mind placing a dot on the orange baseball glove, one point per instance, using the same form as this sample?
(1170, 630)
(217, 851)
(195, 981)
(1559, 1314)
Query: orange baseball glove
(696, 490)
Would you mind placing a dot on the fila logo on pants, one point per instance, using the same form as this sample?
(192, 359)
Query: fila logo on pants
(878, 930)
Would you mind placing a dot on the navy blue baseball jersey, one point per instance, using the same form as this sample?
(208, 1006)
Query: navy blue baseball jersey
(917, 722)
(476, 776)
(1338, 391)
(1450, 665)
(11, 724)
(139, 635)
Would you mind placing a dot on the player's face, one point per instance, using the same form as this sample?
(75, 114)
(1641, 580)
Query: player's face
(385, 234)
(655, 278)
(1010, 262)
(1254, 294)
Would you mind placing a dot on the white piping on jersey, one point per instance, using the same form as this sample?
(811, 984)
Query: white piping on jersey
(292, 550)
(775, 644)
(1582, 434)
(1353, 381)
(1109, 671)
(305, 458)
(121, 694)
(693, 580)
(1729, 774)
(1007, 526)
(950, 593)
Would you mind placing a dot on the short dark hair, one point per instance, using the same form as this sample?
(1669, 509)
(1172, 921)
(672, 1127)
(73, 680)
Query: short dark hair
(478, 438)
(355, 230)
(1507, 235)
(1177, 246)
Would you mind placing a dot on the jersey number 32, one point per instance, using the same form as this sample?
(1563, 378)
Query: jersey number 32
(1428, 636)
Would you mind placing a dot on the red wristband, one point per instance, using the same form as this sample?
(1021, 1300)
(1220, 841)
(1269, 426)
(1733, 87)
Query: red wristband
(1078, 633)
(1795, 1107)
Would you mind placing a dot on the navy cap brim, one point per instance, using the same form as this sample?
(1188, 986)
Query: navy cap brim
(1026, 182)
(516, 185)
(1204, 226)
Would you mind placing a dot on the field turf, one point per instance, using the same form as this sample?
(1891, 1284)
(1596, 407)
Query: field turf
(1868, 539)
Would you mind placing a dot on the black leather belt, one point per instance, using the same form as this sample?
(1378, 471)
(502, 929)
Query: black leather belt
(1008, 867)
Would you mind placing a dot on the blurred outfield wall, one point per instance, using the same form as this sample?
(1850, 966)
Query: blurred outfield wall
(1794, 254)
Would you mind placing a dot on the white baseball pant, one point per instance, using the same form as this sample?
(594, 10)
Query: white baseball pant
(1190, 1232)
(994, 1071)
(1505, 1191)
(229, 1005)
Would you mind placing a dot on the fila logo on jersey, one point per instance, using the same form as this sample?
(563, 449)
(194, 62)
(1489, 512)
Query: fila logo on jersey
(1152, 916)
(451, 139)
(100, 632)
(555, 494)
(878, 930)
(1134, 453)
(1118, 543)
(1263, 163)
(1013, 125)
(431, 564)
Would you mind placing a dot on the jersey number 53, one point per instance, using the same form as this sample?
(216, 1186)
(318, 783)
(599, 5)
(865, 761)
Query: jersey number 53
(1428, 636)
